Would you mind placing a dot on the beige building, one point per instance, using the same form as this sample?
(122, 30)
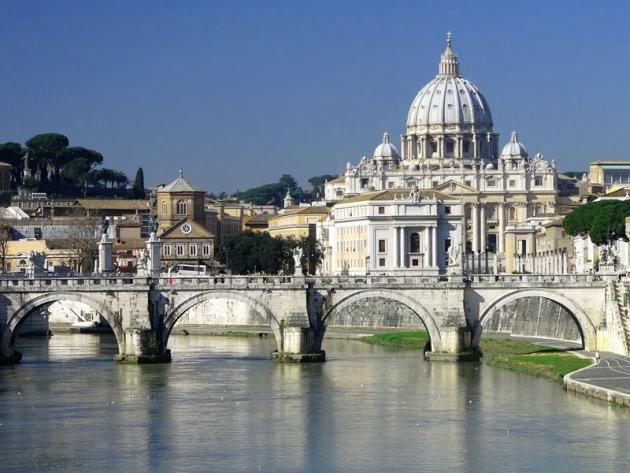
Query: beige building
(183, 225)
(609, 174)
(297, 222)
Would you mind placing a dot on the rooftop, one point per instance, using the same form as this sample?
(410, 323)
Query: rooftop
(114, 204)
(395, 194)
(180, 185)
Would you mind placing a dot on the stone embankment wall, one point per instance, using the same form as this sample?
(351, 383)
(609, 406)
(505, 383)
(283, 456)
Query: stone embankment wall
(534, 317)
(221, 315)
(59, 316)
(373, 315)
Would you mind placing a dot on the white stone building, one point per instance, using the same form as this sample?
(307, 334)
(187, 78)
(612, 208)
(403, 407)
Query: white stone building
(392, 232)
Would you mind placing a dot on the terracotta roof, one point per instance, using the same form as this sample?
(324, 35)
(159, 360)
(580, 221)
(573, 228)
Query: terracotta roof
(114, 204)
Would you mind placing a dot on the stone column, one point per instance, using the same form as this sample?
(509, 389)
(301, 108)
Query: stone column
(565, 267)
(483, 239)
(475, 227)
(434, 247)
(105, 264)
(426, 240)
(396, 249)
(403, 262)
(501, 245)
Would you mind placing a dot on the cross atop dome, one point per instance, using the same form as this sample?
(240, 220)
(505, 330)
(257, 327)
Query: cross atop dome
(449, 64)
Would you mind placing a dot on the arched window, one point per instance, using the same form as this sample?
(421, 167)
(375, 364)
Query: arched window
(415, 243)
(164, 207)
(182, 207)
(512, 213)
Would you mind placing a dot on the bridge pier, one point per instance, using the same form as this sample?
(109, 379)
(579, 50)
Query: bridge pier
(456, 344)
(144, 346)
(299, 345)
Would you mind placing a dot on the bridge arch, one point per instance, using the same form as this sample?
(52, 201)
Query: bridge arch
(585, 325)
(421, 312)
(178, 311)
(12, 327)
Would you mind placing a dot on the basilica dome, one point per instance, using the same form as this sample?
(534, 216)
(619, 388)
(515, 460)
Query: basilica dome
(386, 151)
(449, 99)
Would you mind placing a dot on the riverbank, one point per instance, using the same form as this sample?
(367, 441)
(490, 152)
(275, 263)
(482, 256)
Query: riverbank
(538, 360)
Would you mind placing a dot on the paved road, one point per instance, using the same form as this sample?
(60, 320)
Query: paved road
(612, 371)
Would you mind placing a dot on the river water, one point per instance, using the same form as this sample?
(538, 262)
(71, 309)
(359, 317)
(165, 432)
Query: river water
(223, 406)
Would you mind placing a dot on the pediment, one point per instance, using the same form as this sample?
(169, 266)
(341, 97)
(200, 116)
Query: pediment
(455, 188)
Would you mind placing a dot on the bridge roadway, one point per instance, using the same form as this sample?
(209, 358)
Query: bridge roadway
(143, 311)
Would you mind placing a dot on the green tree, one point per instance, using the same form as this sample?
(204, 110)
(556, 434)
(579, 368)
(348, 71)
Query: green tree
(288, 182)
(48, 152)
(312, 254)
(317, 183)
(602, 221)
(12, 153)
(248, 253)
(138, 184)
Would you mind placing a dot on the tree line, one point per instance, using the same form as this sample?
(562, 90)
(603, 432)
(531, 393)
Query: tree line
(275, 192)
(58, 168)
(252, 253)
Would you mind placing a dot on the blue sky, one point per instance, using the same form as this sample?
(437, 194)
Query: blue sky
(239, 92)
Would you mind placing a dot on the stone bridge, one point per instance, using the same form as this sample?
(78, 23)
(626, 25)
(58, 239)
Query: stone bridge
(143, 311)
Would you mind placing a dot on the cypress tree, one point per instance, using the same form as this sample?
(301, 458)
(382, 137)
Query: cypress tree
(138, 184)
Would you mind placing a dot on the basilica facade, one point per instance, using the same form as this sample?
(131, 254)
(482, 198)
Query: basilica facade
(449, 158)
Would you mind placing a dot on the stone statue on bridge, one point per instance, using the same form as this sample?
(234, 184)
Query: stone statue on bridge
(454, 257)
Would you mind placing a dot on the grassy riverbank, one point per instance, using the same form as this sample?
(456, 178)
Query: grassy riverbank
(530, 358)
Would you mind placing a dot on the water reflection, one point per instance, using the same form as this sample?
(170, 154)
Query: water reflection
(222, 405)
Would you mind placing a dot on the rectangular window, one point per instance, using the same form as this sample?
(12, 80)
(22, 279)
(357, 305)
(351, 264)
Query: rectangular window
(38, 233)
(447, 209)
(450, 146)
(491, 182)
(514, 166)
(466, 146)
(467, 183)
(206, 249)
(381, 246)
(381, 210)
(364, 183)
(435, 183)
(390, 185)
(381, 261)
(414, 262)
(192, 250)
(538, 181)
(167, 250)
(179, 250)
(512, 183)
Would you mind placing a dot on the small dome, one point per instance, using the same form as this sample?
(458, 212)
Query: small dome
(514, 149)
(386, 151)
